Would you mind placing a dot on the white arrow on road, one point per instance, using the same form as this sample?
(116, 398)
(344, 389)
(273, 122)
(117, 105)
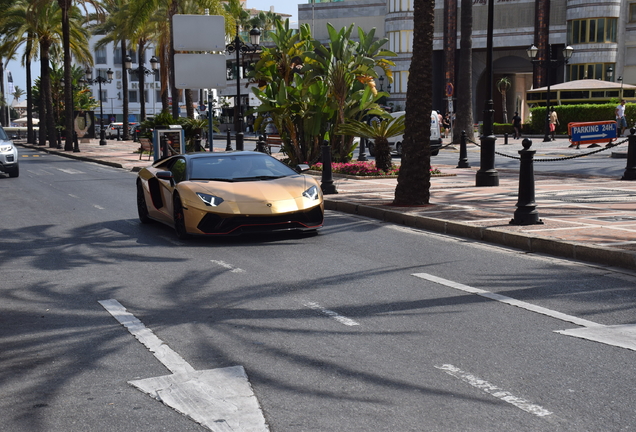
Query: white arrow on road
(220, 399)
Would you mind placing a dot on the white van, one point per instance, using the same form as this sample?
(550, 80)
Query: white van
(395, 143)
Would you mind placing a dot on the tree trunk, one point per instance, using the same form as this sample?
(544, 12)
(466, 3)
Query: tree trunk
(124, 90)
(382, 154)
(47, 97)
(29, 91)
(189, 103)
(504, 102)
(414, 180)
(65, 5)
(173, 86)
(464, 117)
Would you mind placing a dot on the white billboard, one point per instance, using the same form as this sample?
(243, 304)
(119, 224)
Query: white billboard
(200, 71)
(199, 32)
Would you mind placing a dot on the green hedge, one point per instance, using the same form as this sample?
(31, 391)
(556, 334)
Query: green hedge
(578, 113)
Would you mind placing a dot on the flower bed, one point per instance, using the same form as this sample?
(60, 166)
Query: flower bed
(363, 169)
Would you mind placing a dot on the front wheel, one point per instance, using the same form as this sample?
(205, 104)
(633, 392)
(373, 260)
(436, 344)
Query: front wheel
(179, 219)
(142, 207)
(14, 172)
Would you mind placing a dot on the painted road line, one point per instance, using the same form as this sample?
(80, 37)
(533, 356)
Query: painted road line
(220, 399)
(623, 336)
(70, 171)
(494, 391)
(331, 314)
(508, 300)
(230, 267)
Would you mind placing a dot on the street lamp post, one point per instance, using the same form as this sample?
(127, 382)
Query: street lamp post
(549, 63)
(238, 46)
(141, 72)
(99, 80)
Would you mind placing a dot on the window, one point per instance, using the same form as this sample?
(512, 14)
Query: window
(593, 30)
(133, 96)
(117, 55)
(178, 169)
(100, 55)
(632, 12)
(588, 71)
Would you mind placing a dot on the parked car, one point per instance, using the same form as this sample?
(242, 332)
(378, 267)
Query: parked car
(395, 143)
(228, 193)
(111, 130)
(8, 155)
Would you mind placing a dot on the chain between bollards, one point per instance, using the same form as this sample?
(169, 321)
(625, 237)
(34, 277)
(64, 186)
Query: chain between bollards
(526, 213)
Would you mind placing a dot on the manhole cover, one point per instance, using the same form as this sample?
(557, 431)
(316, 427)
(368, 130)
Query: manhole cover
(595, 195)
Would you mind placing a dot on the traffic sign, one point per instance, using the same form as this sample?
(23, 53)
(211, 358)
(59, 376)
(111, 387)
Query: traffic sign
(592, 132)
(449, 89)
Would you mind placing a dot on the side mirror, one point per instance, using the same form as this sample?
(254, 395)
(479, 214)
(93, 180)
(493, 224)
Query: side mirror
(301, 167)
(165, 175)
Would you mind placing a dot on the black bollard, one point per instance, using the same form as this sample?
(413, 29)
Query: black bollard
(463, 155)
(630, 169)
(197, 143)
(362, 156)
(75, 143)
(228, 147)
(526, 213)
(505, 138)
(59, 140)
(326, 185)
(239, 141)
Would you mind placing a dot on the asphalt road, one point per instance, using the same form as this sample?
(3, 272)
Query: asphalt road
(365, 326)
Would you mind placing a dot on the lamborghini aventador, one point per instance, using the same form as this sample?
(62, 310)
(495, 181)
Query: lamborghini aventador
(228, 193)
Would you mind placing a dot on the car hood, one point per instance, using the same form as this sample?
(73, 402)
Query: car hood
(265, 196)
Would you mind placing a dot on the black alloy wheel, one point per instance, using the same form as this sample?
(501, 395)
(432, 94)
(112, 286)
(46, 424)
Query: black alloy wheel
(142, 208)
(179, 218)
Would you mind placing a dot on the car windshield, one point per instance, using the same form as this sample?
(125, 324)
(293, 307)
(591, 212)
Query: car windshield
(233, 167)
(3, 134)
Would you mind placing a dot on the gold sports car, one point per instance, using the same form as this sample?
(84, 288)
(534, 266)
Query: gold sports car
(228, 193)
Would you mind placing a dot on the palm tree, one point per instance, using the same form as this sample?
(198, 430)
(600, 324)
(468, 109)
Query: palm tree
(503, 85)
(66, 6)
(18, 93)
(464, 116)
(379, 132)
(414, 179)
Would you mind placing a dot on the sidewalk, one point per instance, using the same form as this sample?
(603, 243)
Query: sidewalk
(584, 218)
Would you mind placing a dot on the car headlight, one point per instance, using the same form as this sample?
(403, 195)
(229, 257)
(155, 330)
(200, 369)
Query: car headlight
(312, 193)
(210, 200)
(6, 148)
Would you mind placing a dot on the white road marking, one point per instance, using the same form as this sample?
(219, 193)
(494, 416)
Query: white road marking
(73, 196)
(508, 300)
(161, 351)
(495, 391)
(220, 399)
(623, 336)
(230, 267)
(98, 207)
(70, 171)
(331, 314)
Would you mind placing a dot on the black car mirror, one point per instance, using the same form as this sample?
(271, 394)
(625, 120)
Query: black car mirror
(301, 167)
(165, 175)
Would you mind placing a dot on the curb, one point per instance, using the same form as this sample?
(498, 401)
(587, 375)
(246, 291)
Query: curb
(71, 155)
(577, 251)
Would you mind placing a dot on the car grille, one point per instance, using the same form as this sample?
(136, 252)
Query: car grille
(10, 158)
(215, 224)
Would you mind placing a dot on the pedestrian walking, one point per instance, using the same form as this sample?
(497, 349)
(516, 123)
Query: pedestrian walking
(554, 121)
(621, 121)
(447, 125)
(516, 124)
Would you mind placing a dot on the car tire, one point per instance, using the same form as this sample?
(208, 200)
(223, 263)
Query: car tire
(14, 172)
(435, 152)
(371, 148)
(398, 148)
(179, 218)
(142, 207)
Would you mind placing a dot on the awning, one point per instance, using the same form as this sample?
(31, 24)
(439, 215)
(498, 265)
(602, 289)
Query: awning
(25, 120)
(583, 85)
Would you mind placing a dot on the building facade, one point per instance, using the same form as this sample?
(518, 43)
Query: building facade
(602, 33)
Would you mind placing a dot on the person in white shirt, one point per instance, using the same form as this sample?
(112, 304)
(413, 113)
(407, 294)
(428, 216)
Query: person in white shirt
(621, 121)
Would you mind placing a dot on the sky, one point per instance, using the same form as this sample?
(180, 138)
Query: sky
(283, 6)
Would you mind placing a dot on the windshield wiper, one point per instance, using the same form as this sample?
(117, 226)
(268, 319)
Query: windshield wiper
(212, 179)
